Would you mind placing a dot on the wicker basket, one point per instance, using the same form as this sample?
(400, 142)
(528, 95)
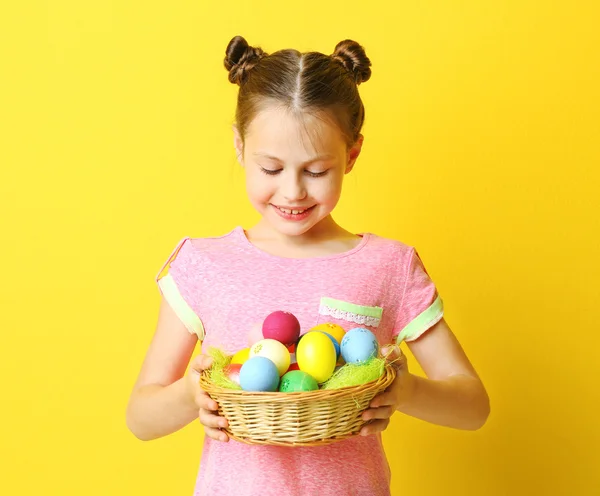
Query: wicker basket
(295, 419)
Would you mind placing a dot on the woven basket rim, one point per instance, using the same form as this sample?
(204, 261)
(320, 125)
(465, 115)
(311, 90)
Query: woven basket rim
(211, 388)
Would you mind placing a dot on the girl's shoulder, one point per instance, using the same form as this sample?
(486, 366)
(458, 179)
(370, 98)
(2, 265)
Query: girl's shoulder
(190, 250)
(390, 246)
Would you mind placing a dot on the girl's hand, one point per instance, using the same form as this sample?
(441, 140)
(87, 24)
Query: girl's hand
(212, 422)
(383, 406)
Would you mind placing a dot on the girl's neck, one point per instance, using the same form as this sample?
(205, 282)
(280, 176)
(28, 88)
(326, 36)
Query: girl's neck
(325, 238)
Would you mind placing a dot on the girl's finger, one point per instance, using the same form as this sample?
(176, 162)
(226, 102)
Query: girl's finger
(201, 362)
(216, 434)
(205, 402)
(391, 352)
(382, 413)
(374, 427)
(383, 399)
(209, 419)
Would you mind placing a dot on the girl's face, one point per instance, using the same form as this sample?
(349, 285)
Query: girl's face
(294, 168)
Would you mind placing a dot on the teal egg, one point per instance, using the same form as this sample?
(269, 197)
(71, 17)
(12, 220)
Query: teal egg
(259, 374)
(359, 345)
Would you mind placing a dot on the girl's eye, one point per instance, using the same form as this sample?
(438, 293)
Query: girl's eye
(316, 174)
(269, 171)
(272, 172)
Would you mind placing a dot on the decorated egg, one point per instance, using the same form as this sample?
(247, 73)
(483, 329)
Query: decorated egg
(334, 330)
(316, 355)
(259, 374)
(335, 344)
(296, 381)
(359, 345)
(241, 356)
(274, 351)
(232, 372)
(281, 326)
(255, 334)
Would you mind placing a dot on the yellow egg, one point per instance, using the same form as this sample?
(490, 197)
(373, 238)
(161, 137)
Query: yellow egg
(316, 355)
(335, 331)
(274, 351)
(241, 356)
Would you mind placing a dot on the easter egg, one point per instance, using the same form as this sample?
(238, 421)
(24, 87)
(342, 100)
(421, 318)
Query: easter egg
(335, 344)
(359, 345)
(316, 355)
(232, 372)
(241, 356)
(259, 374)
(293, 366)
(334, 330)
(281, 326)
(274, 351)
(296, 381)
(255, 334)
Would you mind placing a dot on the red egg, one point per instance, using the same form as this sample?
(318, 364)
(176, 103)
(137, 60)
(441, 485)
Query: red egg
(281, 326)
(232, 372)
(293, 366)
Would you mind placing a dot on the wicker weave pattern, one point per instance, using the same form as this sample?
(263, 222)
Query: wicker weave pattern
(295, 419)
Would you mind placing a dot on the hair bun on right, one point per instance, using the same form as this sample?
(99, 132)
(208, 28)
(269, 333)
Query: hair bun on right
(353, 57)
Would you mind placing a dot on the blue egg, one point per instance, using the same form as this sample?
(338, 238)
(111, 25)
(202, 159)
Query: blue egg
(359, 345)
(259, 374)
(335, 344)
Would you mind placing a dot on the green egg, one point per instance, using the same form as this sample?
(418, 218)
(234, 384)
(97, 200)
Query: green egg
(296, 381)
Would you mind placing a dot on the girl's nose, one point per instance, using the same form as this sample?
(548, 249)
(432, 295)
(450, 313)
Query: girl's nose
(293, 188)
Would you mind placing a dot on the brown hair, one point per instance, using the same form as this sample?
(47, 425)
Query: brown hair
(301, 82)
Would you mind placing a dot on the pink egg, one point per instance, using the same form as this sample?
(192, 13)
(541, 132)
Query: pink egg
(281, 326)
(255, 334)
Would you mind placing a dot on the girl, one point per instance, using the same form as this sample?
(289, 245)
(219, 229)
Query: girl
(297, 134)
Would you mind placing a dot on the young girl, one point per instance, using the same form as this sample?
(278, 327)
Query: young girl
(297, 134)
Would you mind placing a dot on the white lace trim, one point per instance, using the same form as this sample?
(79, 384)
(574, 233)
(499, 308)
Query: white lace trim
(349, 316)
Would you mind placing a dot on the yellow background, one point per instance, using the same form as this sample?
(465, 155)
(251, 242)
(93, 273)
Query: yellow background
(481, 150)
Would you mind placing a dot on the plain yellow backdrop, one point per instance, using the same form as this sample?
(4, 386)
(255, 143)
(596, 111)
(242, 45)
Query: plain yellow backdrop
(481, 149)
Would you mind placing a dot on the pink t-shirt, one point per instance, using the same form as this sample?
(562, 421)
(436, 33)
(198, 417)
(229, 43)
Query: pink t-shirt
(221, 286)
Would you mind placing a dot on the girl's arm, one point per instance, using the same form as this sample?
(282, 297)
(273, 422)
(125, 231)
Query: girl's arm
(162, 400)
(452, 395)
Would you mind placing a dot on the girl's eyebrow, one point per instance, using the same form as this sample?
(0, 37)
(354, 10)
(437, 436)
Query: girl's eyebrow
(319, 158)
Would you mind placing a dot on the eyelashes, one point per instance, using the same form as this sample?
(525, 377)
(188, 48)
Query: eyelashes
(270, 172)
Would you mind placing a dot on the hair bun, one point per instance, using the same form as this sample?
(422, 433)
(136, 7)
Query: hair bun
(353, 57)
(240, 58)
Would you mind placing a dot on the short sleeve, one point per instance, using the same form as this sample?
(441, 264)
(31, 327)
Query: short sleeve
(421, 306)
(176, 283)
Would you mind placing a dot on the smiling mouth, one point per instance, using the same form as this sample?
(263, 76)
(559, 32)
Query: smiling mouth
(293, 211)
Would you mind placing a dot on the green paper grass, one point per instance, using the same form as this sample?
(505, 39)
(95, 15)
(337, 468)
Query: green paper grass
(216, 372)
(356, 374)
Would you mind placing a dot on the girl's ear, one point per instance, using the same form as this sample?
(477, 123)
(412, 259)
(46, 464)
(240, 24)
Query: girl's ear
(239, 145)
(354, 152)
